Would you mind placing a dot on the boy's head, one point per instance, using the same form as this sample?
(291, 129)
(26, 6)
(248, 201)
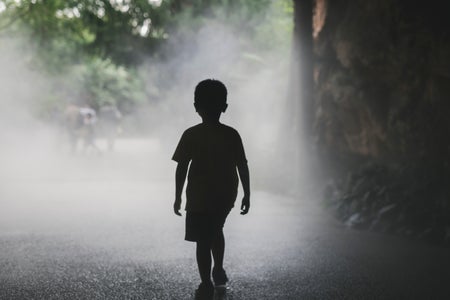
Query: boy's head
(210, 97)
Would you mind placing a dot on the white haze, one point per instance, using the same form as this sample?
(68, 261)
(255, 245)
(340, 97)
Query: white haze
(45, 189)
(257, 100)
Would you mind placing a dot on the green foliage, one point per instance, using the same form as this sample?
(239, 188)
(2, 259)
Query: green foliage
(102, 43)
(126, 31)
(102, 82)
(275, 31)
(119, 30)
(261, 23)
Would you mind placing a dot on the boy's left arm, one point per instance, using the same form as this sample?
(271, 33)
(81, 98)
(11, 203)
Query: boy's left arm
(180, 178)
(245, 179)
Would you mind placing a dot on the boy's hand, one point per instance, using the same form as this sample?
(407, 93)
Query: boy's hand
(176, 207)
(245, 206)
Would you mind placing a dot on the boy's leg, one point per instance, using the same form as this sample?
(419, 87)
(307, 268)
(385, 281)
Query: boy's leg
(218, 250)
(204, 261)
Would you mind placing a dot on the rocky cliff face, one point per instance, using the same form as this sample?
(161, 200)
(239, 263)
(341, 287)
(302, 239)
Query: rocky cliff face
(382, 79)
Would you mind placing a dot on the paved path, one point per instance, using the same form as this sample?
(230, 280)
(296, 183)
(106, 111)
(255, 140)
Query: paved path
(102, 228)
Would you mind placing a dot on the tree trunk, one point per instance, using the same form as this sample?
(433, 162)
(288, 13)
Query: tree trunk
(302, 81)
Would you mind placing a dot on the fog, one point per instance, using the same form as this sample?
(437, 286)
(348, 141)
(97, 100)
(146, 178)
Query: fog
(78, 223)
(46, 189)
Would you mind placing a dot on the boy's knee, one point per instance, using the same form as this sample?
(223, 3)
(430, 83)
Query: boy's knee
(204, 244)
(218, 235)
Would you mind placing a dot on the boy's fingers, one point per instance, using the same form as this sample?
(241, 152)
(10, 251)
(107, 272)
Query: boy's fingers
(244, 208)
(176, 209)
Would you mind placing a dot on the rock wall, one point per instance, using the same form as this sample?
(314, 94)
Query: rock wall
(382, 78)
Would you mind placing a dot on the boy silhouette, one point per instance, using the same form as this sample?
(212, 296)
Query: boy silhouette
(213, 152)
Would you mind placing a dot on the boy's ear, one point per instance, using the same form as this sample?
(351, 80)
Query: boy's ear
(225, 106)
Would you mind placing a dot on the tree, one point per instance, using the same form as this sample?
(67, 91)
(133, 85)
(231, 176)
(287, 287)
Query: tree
(303, 84)
(119, 30)
(105, 35)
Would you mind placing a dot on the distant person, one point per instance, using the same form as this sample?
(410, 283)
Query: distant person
(214, 152)
(73, 121)
(89, 124)
(110, 117)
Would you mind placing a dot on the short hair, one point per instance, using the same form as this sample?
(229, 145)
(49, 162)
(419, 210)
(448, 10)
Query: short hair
(210, 94)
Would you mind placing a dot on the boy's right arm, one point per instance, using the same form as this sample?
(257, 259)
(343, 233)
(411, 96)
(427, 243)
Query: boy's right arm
(180, 178)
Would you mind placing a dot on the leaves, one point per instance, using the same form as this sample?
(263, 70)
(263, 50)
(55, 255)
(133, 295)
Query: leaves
(101, 43)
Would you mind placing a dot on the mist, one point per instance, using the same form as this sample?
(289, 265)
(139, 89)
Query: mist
(257, 97)
(71, 207)
(82, 217)
(47, 189)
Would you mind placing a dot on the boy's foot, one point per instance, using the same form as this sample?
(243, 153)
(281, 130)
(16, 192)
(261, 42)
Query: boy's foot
(204, 292)
(220, 277)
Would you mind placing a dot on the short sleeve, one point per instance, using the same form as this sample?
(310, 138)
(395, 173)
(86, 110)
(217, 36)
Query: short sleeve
(183, 151)
(240, 153)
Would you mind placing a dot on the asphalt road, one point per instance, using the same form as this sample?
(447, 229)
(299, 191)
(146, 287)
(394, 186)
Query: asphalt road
(101, 227)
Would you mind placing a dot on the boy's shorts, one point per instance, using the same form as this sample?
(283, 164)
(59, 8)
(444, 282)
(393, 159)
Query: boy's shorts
(202, 226)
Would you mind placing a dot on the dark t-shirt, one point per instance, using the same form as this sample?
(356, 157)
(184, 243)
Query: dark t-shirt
(214, 152)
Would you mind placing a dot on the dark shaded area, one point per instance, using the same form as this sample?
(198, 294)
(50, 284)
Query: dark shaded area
(382, 114)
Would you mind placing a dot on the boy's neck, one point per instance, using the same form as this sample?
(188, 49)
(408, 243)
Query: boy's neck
(211, 121)
(210, 118)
